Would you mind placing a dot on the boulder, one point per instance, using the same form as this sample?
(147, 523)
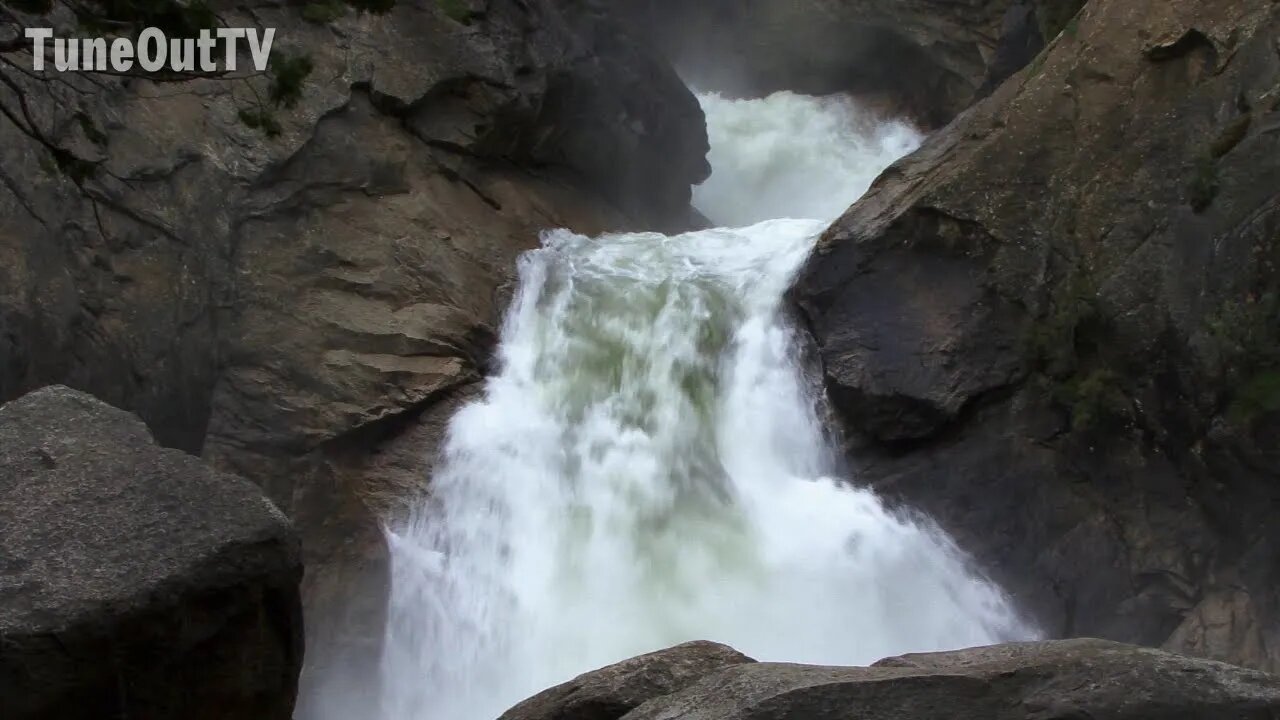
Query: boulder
(1056, 328)
(1092, 679)
(135, 581)
(611, 692)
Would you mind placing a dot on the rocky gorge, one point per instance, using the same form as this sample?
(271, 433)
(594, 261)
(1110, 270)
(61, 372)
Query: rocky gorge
(1054, 329)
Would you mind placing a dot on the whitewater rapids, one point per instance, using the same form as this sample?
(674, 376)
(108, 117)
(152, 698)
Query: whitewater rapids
(646, 467)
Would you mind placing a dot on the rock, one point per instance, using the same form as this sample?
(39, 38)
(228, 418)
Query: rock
(1065, 679)
(135, 581)
(286, 306)
(928, 59)
(612, 692)
(1055, 328)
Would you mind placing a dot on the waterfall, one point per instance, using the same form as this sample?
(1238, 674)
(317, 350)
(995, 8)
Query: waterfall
(645, 468)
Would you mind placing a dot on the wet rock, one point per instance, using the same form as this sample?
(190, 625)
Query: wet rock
(1054, 328)
(135, 581)
(612, 692)
(1065, 679)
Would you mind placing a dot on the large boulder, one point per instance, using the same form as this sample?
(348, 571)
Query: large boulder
(1056, 328)
(929, 59)
(1091, 679)
(611, 692)
(303, 308)
(135, 581)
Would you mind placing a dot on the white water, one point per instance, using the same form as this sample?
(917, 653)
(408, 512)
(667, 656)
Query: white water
(646, 468)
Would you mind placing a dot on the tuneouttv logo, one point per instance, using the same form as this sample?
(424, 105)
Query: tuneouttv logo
(152, 51)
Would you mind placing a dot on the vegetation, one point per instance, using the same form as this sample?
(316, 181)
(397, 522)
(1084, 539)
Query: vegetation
(323, 12)
(1096, 400)
(1248, 346)
(1067, 347)
(288, 73)
(1257, 396)
(1070, 328)
(455, 10)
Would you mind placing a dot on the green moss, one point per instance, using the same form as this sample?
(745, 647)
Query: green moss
(1203, 185)
(1246, 342)
(455, 10)
(1055, 341)
(1096, 400)
(288, 72)
(260, 120)
(323, 12)
(1258, 396)
(1245, 332)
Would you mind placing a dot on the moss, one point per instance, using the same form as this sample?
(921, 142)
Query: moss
(260, 120)
(288, 72)
(1096, 400)
(323, 12)
(1203, 185)
(1230, 136)
(1246, 341)
(1245, 332)
(1258, 396)
(455, 10)
(1070, 329)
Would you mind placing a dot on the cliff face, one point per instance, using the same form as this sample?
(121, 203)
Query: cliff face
(304, 309)
(1056, 328)
(928, 59)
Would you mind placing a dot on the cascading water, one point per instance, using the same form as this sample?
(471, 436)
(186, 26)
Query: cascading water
(646, 468)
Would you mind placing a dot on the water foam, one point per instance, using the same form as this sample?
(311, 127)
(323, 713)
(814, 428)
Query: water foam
(646, 468)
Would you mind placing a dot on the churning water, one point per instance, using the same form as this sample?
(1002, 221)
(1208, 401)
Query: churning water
(647, 469)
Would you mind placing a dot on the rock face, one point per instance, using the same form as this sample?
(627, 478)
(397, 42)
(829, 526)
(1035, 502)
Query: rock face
(135, 581)
(1056, 328)
(612, 692)
(292, 306)
(1066, 679)
(930, 59)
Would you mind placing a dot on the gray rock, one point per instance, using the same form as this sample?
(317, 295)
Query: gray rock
(611, 692)
(1054, 327)
(1092, 679)
(135, 581)
(288, 307)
